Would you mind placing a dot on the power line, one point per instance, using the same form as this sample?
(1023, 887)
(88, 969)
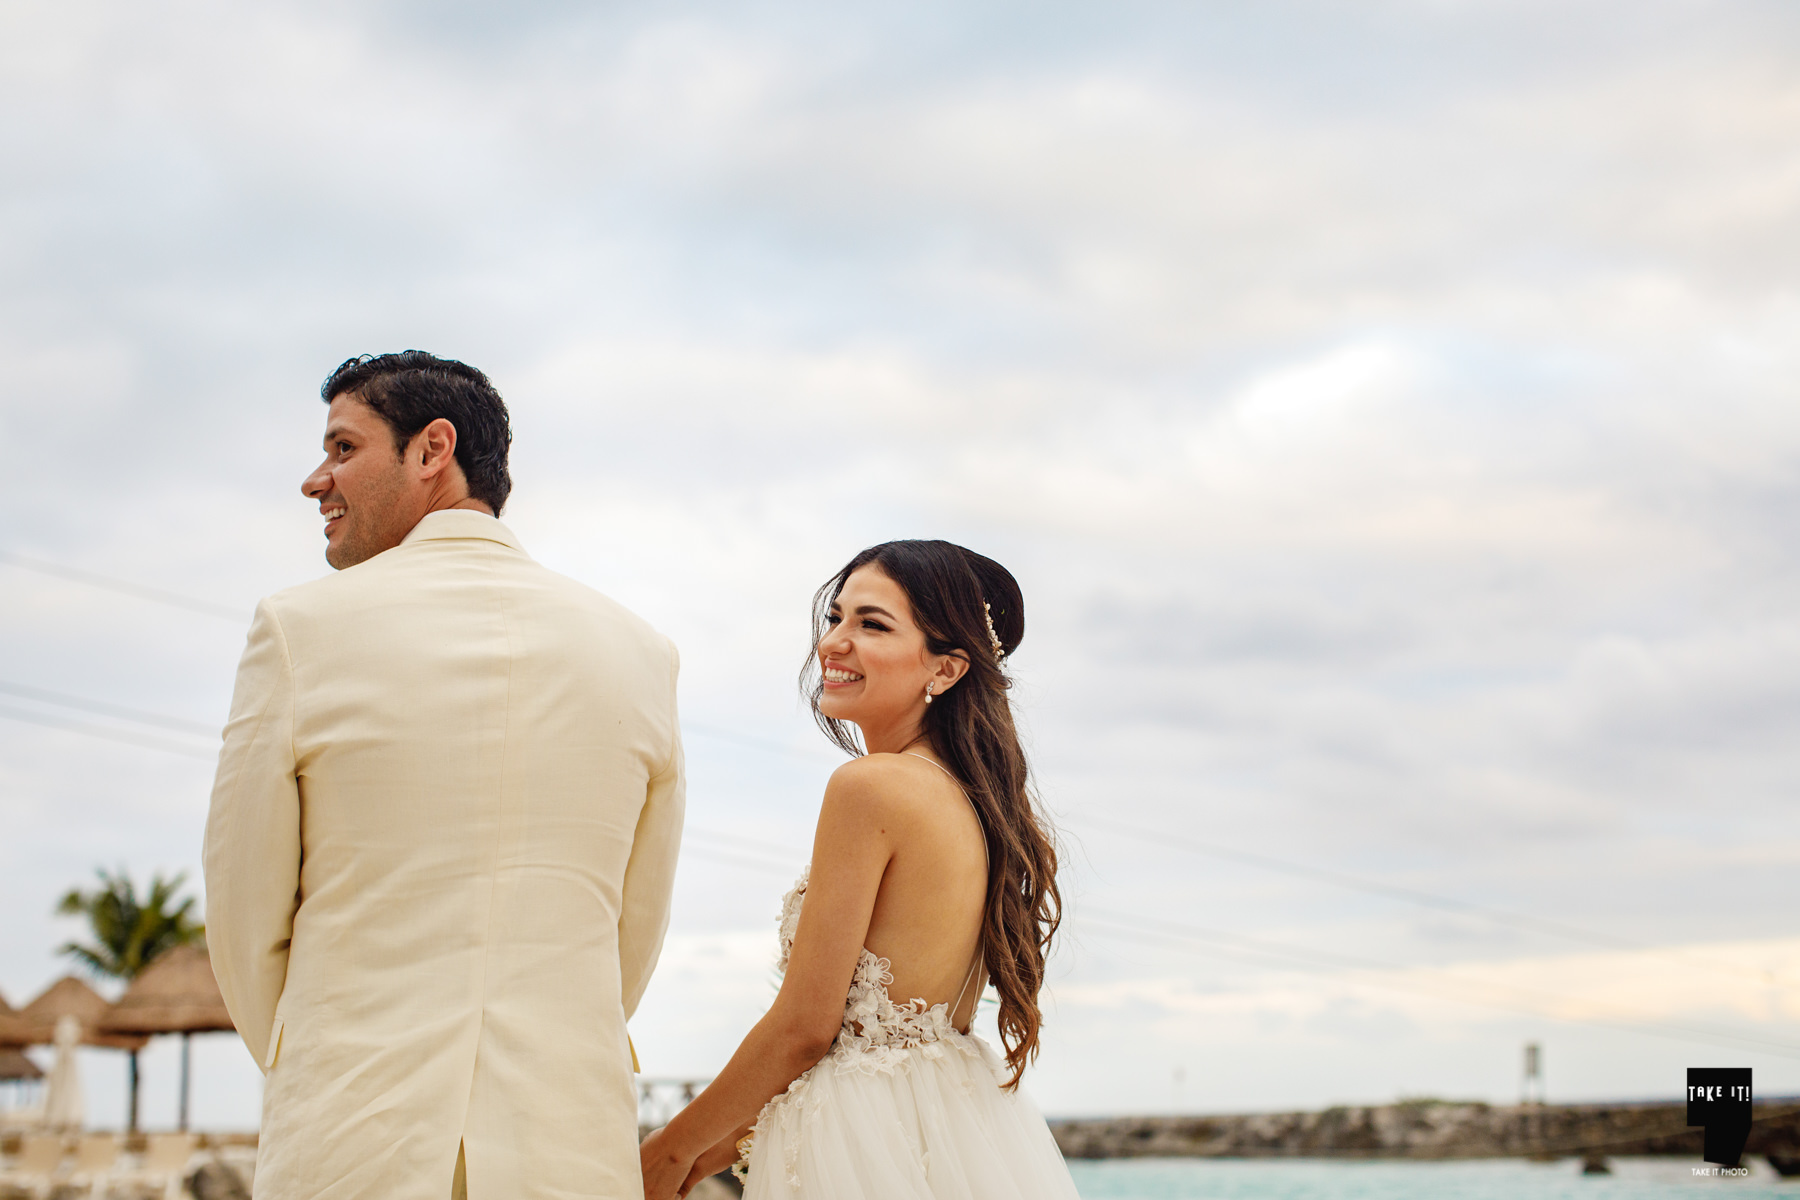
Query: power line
(1161, 838)
(751, 743)
(1259, 952)
(736, 860)
(1226, 853)
(1355, 883)
(736, 849)
(108, 732)
(125, 587)
(779, 860)
(186, 725)
(1217, 943)
(1521, 921)
(776, 859)
(738, 842)
(64, 700)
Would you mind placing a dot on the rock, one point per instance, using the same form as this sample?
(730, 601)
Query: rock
(216, 1180)
(1425, 1128)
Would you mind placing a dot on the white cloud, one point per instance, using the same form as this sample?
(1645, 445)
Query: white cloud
(1390, 413)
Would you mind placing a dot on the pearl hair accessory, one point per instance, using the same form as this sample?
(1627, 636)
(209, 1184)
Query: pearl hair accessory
(987, 614)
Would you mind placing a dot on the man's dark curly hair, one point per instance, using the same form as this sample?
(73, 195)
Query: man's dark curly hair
(411, 389)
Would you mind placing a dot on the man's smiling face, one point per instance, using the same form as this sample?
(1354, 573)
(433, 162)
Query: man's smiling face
(363, 487)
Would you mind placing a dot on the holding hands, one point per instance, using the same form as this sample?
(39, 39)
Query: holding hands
(666, 1165)
(671, 1169)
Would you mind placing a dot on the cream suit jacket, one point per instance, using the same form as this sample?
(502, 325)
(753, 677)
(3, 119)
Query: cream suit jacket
(438, 867)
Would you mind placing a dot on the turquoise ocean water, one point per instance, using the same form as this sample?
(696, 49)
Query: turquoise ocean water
(1505, 1179)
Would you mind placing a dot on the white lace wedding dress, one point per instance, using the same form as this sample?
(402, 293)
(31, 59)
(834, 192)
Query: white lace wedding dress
(903, 1107)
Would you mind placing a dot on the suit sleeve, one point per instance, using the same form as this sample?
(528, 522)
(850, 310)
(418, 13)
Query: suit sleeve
(650, 874)
(252, 854)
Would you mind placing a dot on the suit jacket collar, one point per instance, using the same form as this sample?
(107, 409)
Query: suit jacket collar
(451, 524)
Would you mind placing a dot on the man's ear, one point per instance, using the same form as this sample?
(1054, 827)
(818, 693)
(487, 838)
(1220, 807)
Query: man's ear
(434, 448)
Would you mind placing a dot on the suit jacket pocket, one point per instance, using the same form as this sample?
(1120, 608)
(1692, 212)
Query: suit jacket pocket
(274, 1050)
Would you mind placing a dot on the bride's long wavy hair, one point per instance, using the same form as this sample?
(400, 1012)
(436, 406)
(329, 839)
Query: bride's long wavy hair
(971, 728)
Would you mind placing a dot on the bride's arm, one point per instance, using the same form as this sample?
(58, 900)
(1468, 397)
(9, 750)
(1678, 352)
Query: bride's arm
(858, 822)
(723, 1153)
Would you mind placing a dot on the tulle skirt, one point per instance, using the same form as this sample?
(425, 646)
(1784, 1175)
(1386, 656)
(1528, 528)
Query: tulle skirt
(929, 1122)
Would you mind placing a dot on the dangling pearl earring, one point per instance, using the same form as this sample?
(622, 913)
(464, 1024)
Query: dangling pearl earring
(928, 688)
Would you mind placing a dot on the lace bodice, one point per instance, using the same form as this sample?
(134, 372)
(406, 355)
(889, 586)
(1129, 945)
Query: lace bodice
(877, 1036)
(873, 1024)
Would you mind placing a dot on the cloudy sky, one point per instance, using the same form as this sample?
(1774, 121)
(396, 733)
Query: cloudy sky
(1390, 411)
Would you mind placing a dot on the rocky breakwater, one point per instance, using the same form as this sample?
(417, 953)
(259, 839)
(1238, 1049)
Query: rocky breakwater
(1422, 1129)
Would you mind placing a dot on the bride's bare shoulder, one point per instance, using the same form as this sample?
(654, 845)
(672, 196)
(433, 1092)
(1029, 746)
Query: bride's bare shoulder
(884, 783)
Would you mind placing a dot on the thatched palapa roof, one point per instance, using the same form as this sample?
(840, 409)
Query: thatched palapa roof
(11, 1031)
(68, 996)
(174, 994)
(14, 1032)
(14, 1065)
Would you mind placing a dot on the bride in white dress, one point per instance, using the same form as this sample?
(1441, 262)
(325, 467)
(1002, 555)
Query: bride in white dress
(932, 875)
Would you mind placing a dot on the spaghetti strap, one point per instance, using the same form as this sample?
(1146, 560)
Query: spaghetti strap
(980, 938)
(965, 792)
(973, 968)
(946, 770)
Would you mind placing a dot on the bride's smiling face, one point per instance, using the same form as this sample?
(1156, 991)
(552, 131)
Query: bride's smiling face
(873, 656)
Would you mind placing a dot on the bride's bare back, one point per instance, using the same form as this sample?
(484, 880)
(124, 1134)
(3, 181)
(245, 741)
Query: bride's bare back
(899, 867)
(928, 911)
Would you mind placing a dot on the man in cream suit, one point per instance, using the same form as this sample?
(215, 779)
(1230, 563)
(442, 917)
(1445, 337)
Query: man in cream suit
(443, 834)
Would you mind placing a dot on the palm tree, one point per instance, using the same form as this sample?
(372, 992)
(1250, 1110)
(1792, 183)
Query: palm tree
(129, 933)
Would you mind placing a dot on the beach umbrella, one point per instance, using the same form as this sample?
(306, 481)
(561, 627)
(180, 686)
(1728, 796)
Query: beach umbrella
(176, 993)
(62, 1105)
(14, 1066)
(69, 997)
(16, 1070)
